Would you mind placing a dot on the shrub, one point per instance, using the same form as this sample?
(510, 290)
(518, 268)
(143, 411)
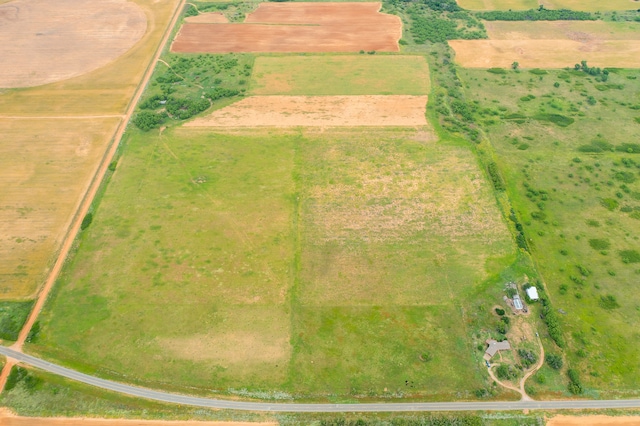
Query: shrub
(554, 361)
(527, 357)
(599, 244)
(557, 119)
(496, 177)
(112, 166)
(596, 145)
(33, 333)
(147, 120)
(537, 15)
(497, 70)
(538, 71)
(575, 387)
(631, 148)
(608, 302)
(629, 256)
(527, 98)
(500, 311)
(609, 203)
(505, 372)
(86, 221)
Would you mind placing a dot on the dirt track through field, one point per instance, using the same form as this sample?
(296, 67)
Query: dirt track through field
(289, 111)
(87, 200)
(43, 41)
(297, 27)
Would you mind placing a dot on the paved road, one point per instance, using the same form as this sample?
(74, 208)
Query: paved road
(326, 408)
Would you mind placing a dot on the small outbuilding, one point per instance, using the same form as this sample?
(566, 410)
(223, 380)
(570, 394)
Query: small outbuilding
(494, 347)
(532, 293)
(517, 303)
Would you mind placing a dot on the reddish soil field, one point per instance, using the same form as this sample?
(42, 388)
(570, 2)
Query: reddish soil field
(297, 27)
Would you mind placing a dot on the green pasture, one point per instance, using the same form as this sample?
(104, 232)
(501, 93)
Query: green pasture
(340, 75)
(580, 5)
(284, 265)
(567, 145)
(498, 4)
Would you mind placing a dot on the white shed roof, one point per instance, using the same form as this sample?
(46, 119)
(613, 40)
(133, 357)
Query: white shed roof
(532, 292)
(517, 302)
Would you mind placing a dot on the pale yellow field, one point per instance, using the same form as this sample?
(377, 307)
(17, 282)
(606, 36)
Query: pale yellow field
(45, 167)
(546, 53)
(104, 91)
(591, 5)
(584, 5)
(498, 4)
(54, 138)
(582, 31)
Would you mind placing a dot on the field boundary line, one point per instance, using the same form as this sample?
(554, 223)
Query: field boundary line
(87, 199)
(59, 117)
(174, 398)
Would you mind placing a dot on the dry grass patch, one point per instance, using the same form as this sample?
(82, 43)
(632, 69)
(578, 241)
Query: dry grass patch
(546, 53)
(8, 419)
(498, 4)
(340, 75)
(587, 32)
(288, 111)
(45, 167)
(42, 41)
(208, 18)
(591, 5)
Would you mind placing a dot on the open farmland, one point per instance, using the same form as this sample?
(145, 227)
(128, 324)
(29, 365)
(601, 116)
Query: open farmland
(498, 4)
(64, 39)
(43, 177)
(576, 186)
(56, 134)
(258, 281)
(291, 111)
(545, 53)
(297, 27)
(340, 75)
(589, 33)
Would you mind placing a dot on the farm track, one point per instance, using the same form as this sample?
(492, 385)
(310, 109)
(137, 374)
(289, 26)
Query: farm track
(314, 408)
(88, 199)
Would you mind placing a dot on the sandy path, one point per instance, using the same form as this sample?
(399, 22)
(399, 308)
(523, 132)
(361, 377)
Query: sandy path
(87, 200)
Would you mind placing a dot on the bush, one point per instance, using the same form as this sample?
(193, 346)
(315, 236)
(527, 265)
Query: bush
(505, 372)
(631, 148)
(500, 311)
(86, 221)
(596, 145)
(112, 166)
(557, 119)
(609, 203)
(496, 177)
(575, 386)
(497, 70)
(629, 256)
(527, 357)
(33, 333)
(554, 361)
(599, 244)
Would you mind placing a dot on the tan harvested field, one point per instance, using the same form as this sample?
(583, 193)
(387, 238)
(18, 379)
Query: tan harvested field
(297, 27)
(546, 53)
(207, 18)
(589, 33)
(591, 5)
(106, 90)
(289, 111)
(54, 138)
(45, 167)
(594, 421)
(498, 4)
(43, 41)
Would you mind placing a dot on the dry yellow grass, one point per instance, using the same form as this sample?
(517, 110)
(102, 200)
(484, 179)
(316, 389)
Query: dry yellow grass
(45, 167)
(54, 137)
(591, 5)
(546, 53)
(498, 4)
(583, 31)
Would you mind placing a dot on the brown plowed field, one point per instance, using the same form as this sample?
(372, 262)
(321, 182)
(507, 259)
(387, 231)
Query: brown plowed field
(297, 27)
(289, 111)
(43, 41)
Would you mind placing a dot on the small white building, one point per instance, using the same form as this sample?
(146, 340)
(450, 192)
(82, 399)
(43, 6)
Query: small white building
(517, 303)
(532, 292)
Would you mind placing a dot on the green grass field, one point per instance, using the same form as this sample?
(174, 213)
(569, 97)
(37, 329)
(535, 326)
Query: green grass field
(583, 5)
(577, 190)
(341, 75)
(498, 4)
(288, 264)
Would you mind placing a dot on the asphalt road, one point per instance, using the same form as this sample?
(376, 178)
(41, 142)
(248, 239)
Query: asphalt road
(311, 408)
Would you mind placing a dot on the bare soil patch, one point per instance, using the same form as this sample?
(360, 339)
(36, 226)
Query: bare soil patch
(546, 53)
(297, 27)
(208, 18)
(287, 111)
(43, 41)
(593, 421)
